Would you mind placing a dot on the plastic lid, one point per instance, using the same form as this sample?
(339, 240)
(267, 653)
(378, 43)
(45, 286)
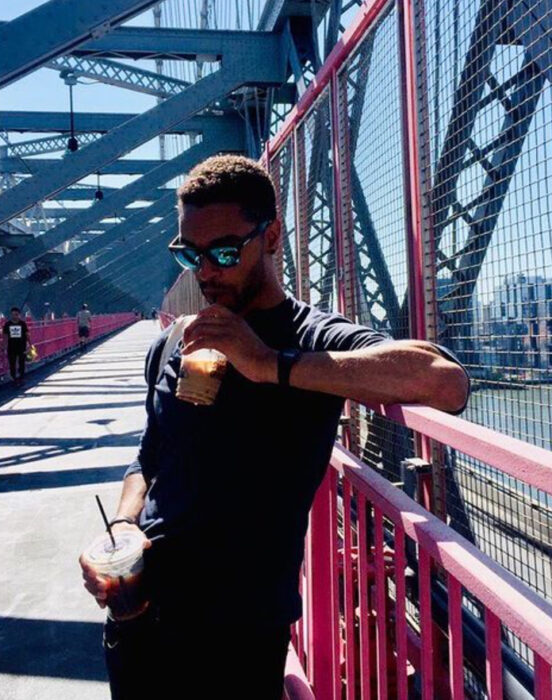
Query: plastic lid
(129, 545)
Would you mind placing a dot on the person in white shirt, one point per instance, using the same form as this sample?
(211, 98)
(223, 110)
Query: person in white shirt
(84, 321)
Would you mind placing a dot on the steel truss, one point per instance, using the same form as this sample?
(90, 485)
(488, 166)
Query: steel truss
(496, 24)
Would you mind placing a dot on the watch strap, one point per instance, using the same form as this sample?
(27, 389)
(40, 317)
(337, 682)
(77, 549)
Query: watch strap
(286, 360)
(122, 519)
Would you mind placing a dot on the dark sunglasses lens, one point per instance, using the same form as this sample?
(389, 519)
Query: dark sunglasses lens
(226, 256)
(187, 257)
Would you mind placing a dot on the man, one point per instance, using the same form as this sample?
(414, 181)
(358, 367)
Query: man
(16, 332)
(223, 492)
(84, 320)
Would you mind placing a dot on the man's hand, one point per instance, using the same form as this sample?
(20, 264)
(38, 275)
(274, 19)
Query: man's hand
(218, 328)
(95, 583)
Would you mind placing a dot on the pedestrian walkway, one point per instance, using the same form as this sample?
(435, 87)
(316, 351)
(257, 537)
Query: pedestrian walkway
(62, 440)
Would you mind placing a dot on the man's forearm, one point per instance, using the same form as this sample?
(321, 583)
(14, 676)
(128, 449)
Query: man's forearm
(132, 496)
(403, 372)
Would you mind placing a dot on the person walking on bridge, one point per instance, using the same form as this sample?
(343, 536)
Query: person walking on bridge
(84, 321)
(15, 334)
(223, 492)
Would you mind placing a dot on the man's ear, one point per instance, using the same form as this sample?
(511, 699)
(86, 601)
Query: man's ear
(272, 236)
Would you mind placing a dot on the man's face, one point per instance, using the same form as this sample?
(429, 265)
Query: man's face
(15, 316)
(232, 287)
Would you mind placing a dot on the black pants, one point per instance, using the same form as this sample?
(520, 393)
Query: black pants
(13, 357)
(153, 657)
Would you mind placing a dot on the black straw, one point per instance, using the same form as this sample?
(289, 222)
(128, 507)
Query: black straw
(104, 516)
(108, 527)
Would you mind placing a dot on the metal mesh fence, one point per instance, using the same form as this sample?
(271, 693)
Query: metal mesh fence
(506, 518)
(484, 112)
(487, 137)
(285, 176)
(376, 179)
(320, 240)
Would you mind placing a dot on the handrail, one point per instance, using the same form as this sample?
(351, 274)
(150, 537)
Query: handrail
(373, 621)
(358, 633)
(523, 610)
(53, 338)
(517, 458)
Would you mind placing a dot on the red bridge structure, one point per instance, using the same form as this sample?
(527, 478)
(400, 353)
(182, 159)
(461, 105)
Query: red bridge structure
(409, 143)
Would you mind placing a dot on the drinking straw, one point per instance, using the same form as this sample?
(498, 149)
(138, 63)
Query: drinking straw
(108, 527)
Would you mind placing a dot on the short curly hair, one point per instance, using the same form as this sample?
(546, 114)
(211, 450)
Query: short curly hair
(231, 179)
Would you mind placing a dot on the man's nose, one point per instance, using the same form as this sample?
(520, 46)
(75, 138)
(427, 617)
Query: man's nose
(206, 271)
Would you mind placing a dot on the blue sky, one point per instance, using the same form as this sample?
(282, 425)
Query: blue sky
(44, 90)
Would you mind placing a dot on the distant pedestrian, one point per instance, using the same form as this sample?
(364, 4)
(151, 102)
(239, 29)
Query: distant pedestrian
(84, 321)
(49, 312)
(16, 333)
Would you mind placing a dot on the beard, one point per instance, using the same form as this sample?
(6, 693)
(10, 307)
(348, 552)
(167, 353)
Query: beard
(236, 300)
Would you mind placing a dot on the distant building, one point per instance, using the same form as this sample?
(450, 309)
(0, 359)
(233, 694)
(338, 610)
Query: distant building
(521, 321)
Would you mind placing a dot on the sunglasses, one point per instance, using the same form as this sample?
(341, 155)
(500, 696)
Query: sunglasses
(189, 256)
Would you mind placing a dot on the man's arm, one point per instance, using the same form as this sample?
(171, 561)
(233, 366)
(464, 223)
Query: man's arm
(140, 472)
(384, 371)
(132, 496)
(403, 371)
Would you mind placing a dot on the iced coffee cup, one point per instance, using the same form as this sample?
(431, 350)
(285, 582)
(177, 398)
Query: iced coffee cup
(123, 568)
(200, 375)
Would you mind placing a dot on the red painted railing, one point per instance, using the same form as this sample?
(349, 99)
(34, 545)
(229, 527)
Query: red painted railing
(355, 636)
(52, 338)
(165, 319)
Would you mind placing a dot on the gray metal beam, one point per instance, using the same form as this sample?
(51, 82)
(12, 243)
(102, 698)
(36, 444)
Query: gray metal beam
(119, 263)
(49, 144)
(79, 280)
(143, 284)
(531, 23)
(53, 213)
(134, 222)
(171, 44)
(44, 167)
(163, 275)
(276, 12)
(120, 75)
(221, 140)
(48, 122)
(55, 28)
(116, 299)
(143, 279)
(83, 194)
(254, 67)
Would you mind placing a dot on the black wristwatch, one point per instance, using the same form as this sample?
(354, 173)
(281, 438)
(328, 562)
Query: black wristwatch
(286, 360)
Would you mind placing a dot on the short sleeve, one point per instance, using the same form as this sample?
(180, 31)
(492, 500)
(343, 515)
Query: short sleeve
(449, 355)
(338, 333)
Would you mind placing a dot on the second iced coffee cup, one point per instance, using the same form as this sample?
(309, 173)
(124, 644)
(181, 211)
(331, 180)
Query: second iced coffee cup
(122, 567)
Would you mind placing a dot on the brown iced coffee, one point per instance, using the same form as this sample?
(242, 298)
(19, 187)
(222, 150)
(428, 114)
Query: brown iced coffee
(200, 375)
(122, 567)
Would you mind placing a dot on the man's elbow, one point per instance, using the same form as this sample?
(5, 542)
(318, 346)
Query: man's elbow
(454, 390)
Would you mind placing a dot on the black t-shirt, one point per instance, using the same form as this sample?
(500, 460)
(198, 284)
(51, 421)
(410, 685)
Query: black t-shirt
(16, 333)
(230, 485)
